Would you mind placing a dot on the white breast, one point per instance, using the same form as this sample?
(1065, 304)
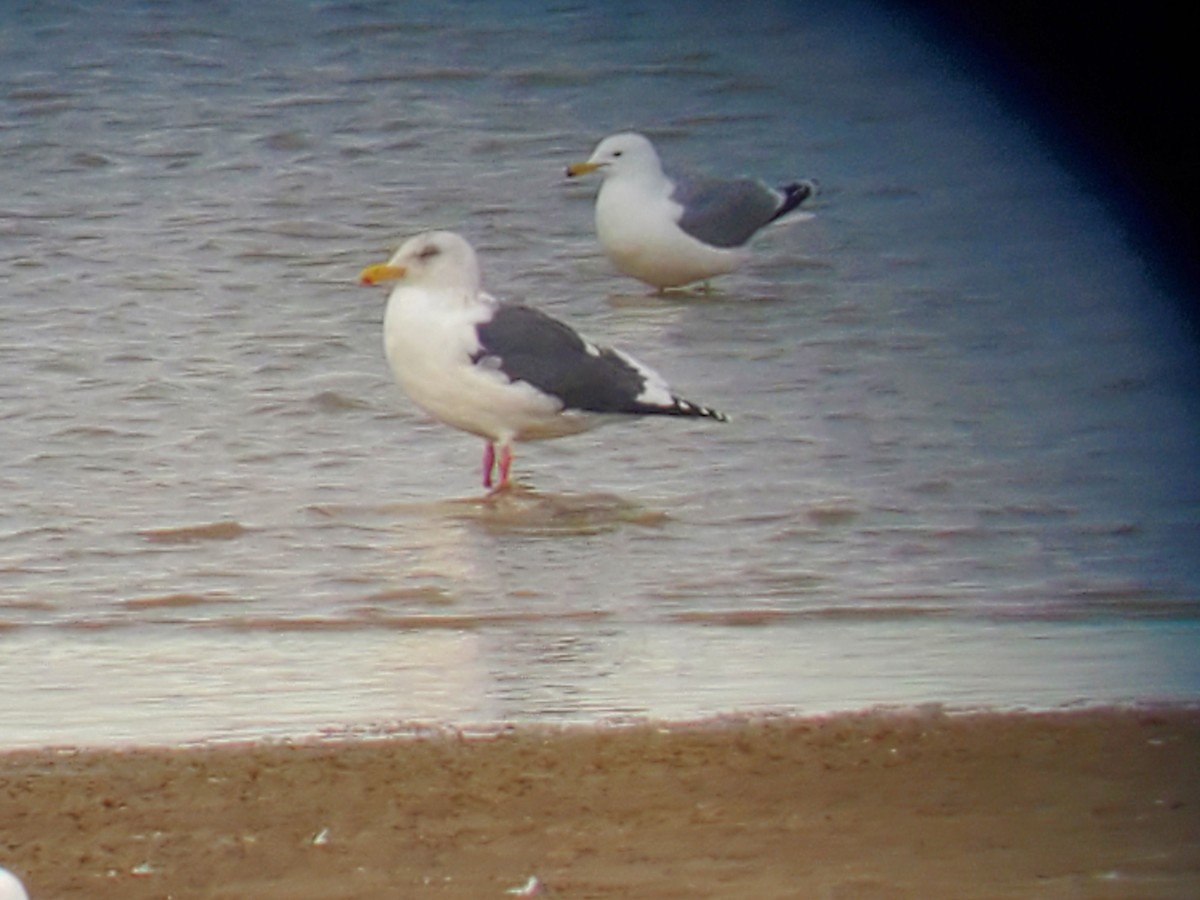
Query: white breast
(430, 350)
(641, 238)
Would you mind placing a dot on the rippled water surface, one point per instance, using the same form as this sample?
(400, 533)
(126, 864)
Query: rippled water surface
(962, 466)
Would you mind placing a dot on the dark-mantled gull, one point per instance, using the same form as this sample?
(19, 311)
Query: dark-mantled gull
(502, 371)
(672, 230)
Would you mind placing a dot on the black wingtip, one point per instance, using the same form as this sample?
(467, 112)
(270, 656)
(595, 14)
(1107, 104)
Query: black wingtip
(793, 195)
(695, 410)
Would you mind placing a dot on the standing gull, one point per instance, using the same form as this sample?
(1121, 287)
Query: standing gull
(671, 230)
(504, 372)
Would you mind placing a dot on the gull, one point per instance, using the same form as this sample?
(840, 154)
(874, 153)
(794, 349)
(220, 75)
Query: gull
(502, 371)
(672, 230)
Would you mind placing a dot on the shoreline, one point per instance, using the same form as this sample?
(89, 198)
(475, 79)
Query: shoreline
(920, 803)
(173, 686)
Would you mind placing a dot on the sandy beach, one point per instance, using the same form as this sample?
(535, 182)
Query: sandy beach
(1102, 804)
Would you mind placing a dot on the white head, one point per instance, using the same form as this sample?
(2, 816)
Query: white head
(627, 153)
(438, 259)
(11, 887)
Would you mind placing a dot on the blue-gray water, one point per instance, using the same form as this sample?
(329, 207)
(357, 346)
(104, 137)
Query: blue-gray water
(962, 467)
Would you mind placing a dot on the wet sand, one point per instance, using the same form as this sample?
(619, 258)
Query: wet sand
(1102, 804)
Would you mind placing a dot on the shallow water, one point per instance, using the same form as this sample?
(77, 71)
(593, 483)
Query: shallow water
(962, 462)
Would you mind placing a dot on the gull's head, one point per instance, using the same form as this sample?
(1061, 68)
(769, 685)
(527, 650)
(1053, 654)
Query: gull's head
(439, 259)
(619, 154)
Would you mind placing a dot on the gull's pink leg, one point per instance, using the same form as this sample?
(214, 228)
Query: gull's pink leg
(506, 458)
(489, 463)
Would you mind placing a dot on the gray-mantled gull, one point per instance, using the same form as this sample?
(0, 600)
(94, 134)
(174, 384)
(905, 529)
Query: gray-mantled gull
(504, 372)
(672, 230)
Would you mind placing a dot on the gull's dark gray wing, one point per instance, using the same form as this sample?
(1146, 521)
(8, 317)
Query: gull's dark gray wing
(527, 345)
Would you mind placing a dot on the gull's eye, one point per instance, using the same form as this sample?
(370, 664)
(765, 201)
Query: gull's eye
(428, 252)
